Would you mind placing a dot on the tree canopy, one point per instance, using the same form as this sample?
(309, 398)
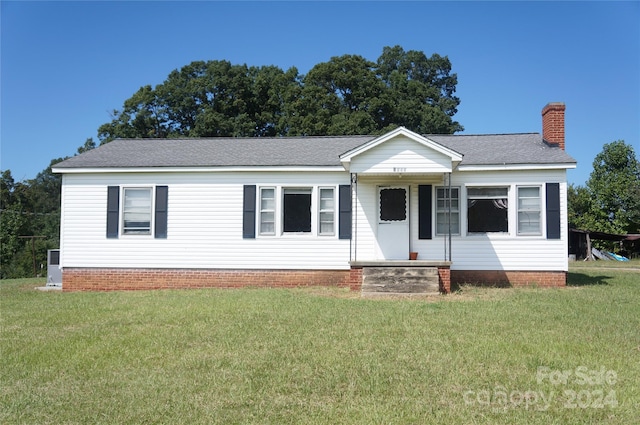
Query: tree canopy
(610, 202)
(30, 208)
(346, 95)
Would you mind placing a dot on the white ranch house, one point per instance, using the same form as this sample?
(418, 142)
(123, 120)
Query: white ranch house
(227, 212)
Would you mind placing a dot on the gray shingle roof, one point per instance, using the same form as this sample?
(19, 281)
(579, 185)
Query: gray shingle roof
(301, 151)
(498, 149)
(217, 152)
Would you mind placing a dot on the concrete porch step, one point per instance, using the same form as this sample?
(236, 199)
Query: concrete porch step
(405, 281)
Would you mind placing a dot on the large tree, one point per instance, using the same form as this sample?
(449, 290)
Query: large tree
(30, 208)
(610, 202)
(346, 95)
(421, 90)
(614, 185)
(206, 99)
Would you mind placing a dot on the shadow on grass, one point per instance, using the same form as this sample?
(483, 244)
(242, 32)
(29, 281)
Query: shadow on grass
(457, 287)
(579, 279)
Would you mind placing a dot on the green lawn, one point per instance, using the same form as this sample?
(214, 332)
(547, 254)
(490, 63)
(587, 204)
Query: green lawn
(635, 263)
(323, 356)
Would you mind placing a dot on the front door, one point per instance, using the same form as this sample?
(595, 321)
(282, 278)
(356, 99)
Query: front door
(393, 222)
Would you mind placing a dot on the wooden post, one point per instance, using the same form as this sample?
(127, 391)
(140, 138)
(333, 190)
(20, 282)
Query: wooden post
(589, 256)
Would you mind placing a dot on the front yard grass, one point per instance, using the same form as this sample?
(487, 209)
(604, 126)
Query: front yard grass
(323, 356)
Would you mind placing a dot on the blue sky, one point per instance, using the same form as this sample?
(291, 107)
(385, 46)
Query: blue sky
(65, 65)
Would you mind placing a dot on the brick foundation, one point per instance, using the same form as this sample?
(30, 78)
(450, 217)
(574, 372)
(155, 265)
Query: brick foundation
(99, 279)
(508, 278)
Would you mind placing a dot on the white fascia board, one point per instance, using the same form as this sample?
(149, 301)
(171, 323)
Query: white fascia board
(347, 156)
(289, 169)
(517, 167)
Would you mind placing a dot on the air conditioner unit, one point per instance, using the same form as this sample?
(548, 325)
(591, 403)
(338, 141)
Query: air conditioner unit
(54, 273)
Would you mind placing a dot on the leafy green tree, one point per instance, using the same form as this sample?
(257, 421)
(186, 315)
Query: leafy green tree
(30, 208)
(339, 97)
(610, 202)
(273, 91)
(12, 224)
(346, 95)
(579, 207)
(143, 115)
(206, 99)
(614, 186)
(88, 145)
(421, 95)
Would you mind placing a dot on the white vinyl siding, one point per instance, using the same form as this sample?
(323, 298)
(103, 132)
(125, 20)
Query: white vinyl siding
(205, 223)
(400, 156)
(486, 251)
(529, 211)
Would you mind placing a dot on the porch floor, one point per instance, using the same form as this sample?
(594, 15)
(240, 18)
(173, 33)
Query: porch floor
(399, 263)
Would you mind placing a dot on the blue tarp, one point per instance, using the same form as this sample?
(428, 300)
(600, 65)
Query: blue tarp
(618, 257)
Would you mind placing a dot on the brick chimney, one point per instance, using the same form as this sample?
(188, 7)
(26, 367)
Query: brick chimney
(553, 123)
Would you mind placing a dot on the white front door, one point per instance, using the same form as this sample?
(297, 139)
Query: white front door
(393, 222)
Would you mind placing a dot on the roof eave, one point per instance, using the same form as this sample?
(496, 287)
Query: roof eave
(516, 167)
(214, 169)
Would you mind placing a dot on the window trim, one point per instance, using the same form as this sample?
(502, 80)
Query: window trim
(539, 210)
(438, 210)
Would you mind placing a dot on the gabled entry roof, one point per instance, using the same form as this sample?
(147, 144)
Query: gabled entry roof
(401, 131)
(411, 153)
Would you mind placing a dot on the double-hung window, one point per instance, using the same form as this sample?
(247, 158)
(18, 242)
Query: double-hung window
(487, 209)
(136, 211)
(443, 219)
(268, 211)
(327, 211)
(529, 211)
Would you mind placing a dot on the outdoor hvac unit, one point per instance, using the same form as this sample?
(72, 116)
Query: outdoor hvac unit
(54, 274)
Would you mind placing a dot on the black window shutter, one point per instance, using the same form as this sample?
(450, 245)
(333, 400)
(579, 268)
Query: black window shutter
(553, 210)
(113, 206)
(249, 212)
(161, 212)
(424, 211)
(344, 208)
